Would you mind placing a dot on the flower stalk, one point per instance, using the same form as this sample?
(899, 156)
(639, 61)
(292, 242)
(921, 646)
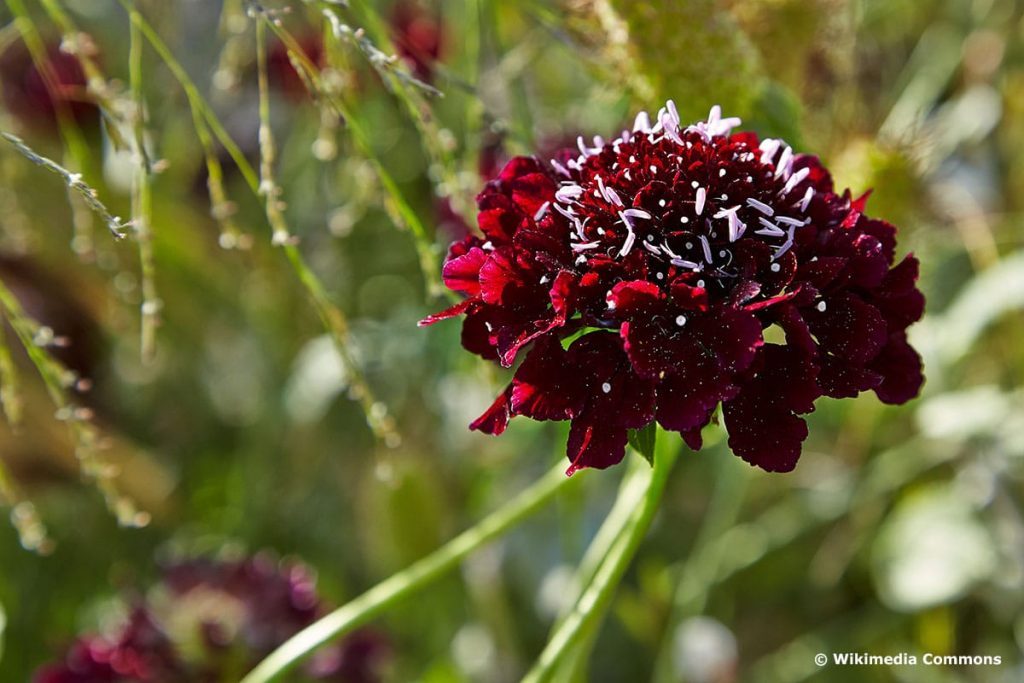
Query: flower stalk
(406, 582)
(586, 616)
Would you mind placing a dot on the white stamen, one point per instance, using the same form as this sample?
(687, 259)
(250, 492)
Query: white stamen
(642, 122)
(680, 320)
(785, 245)
(822, 306)
(707, 248)
(795, 222)
(702, 195)
(721, 173)
(683, 263)
(695, 184)
(785, 165)
(807, 198)
(700, 283)
(736, 226)
(768, 149)
(684, 220)
(776, 267)
(544, 279)
(673, 112)
(487, 246)
(606, 388)
(760, 206)
(635, 213)
(654, 169)
(769, 228)
(582, 145)
(541, 211)
(661, 203)
(660, 276)
(795, 180)
(567, 193)
(561, 169)
(585, 246)
(630, 238)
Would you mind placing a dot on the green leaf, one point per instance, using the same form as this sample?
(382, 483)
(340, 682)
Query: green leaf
(643, 440)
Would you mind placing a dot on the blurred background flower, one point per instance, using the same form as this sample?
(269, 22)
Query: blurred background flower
(213, 620)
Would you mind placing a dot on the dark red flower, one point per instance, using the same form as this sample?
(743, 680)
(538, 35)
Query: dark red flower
(281, 72)
(206, 619)
(418, 37)
(139, 652)
(641, 273)
(35, 94)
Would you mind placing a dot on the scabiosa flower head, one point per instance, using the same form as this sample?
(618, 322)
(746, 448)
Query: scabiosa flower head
(210, 620)
(638, 277)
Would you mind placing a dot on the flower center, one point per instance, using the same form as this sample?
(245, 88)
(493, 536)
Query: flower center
(683, 197)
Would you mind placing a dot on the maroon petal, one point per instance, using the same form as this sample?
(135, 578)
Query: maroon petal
(638, 297)
(518, 167)
(898, 298)
(509, 338)
(688, 397)
(901, 370)
(462, 273)
(848, 327)
(797, 332)
(451, 312)
(763, 429)
(532, 191)
(546, 385)
(841, 379)
(593, 443)
(689, 298)
(476, 333)
(616, 400)
(495, 419)
(732, 335)
(500, 224)
(498, 273)
(821, 271)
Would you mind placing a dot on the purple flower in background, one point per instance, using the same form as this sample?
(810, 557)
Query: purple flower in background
(638, 275)
(209, 621)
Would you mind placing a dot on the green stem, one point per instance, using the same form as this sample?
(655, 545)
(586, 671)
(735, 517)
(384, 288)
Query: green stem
(594, 601)
(418, 575)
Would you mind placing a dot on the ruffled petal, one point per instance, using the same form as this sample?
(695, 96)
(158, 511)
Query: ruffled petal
(462, 273)
(901, 370)
(495, 419)
(847, 327)
(546, 385)
(762, 420)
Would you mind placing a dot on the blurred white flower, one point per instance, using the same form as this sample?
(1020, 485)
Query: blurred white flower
(319, 375)
(931, 550)
(705, 651)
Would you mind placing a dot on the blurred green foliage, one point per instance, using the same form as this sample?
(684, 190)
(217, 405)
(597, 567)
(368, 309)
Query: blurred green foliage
(901, 530)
